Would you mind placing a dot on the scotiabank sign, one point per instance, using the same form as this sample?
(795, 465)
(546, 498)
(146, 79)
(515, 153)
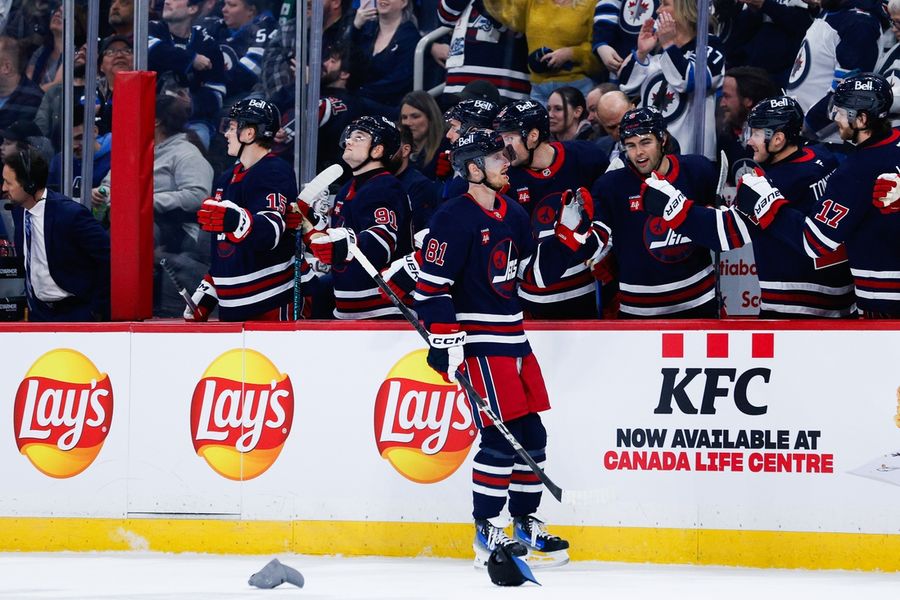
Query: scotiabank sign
(701, 386)
(423, 426)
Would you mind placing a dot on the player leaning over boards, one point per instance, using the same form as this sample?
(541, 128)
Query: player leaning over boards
(480, 245)
(662, 274)
(792, 286)
(251, 272)
(541, 173)
(845, 213)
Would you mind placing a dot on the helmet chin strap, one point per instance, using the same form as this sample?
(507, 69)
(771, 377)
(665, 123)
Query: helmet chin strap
(484, 179)
(530, 151)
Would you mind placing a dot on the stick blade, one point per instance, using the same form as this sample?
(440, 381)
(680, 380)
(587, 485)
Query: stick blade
(321, 182)
(583, 497)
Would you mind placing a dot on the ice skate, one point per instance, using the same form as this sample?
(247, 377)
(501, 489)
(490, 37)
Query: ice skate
(544, 549)
(489, 533)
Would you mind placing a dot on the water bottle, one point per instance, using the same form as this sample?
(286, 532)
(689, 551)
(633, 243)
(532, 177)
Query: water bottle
(99, 210)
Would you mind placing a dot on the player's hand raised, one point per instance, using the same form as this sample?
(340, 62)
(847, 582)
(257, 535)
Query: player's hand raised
(758, 199)
(886, 193)
(575, 217)
(662, 199)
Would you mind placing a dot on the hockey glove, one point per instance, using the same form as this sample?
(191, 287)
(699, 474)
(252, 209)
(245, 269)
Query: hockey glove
(333, 245)
(402, 274)
(300, 211)
(445, 354)
(661, 199)
(886, 193)
(225, 217)
(757, 199)
(575, 216)
(205, 298)
(442, 167)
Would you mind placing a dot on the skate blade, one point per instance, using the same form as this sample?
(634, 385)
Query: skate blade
(546, 560)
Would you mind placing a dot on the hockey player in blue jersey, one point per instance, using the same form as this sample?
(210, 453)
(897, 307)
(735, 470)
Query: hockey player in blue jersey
(791, 285)
(252, 265)
(460, 119)
(845, 212)
(368, 211)
(542, 172)
(662, 273)
(479, 247)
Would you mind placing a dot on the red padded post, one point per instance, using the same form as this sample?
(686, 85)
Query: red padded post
(131, 191)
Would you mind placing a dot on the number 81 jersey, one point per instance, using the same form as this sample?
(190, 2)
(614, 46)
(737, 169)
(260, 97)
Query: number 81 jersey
(472, 261)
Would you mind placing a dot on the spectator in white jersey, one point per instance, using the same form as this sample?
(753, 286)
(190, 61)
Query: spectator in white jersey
(665, 79)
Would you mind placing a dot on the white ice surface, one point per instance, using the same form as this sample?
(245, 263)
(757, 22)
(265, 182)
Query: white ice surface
(155, 576)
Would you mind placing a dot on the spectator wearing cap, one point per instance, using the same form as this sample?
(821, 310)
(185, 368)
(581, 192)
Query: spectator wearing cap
(560, 55)
(477, 89)
(19, 97)
(481, 47)
(116, 55)
(121, 18)
(387, 34)
(22, 135)
(102, 156)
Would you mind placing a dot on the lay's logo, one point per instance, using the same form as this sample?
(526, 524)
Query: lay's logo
(62, 413)
(423, 426)
(241, 414)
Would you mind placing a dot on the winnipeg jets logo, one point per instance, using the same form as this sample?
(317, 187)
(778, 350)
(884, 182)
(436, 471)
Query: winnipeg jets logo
(503, 263)
(664, 244)
(666, 100)
(634, 13)
(801, 67)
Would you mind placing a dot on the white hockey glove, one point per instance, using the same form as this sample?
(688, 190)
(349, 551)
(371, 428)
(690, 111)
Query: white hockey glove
(757, 199)
(333, 245)
(446, 354)
(206, 300)
(402, 274)
(661, 199)
(575, 216)
(225, 217)
(886, 193)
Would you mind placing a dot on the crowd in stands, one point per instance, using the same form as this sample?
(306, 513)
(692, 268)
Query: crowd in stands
(585, 62)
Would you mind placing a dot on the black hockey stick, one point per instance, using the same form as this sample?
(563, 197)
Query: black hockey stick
(720, 185)
(564, 496)
(181, 289)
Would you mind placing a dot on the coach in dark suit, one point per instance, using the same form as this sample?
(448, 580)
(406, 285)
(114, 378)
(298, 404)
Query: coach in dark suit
(64, 249)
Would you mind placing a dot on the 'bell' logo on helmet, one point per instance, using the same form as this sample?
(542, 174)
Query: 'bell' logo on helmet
(863, 85)
(483, 104)
(779, 103)
(257, 103)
